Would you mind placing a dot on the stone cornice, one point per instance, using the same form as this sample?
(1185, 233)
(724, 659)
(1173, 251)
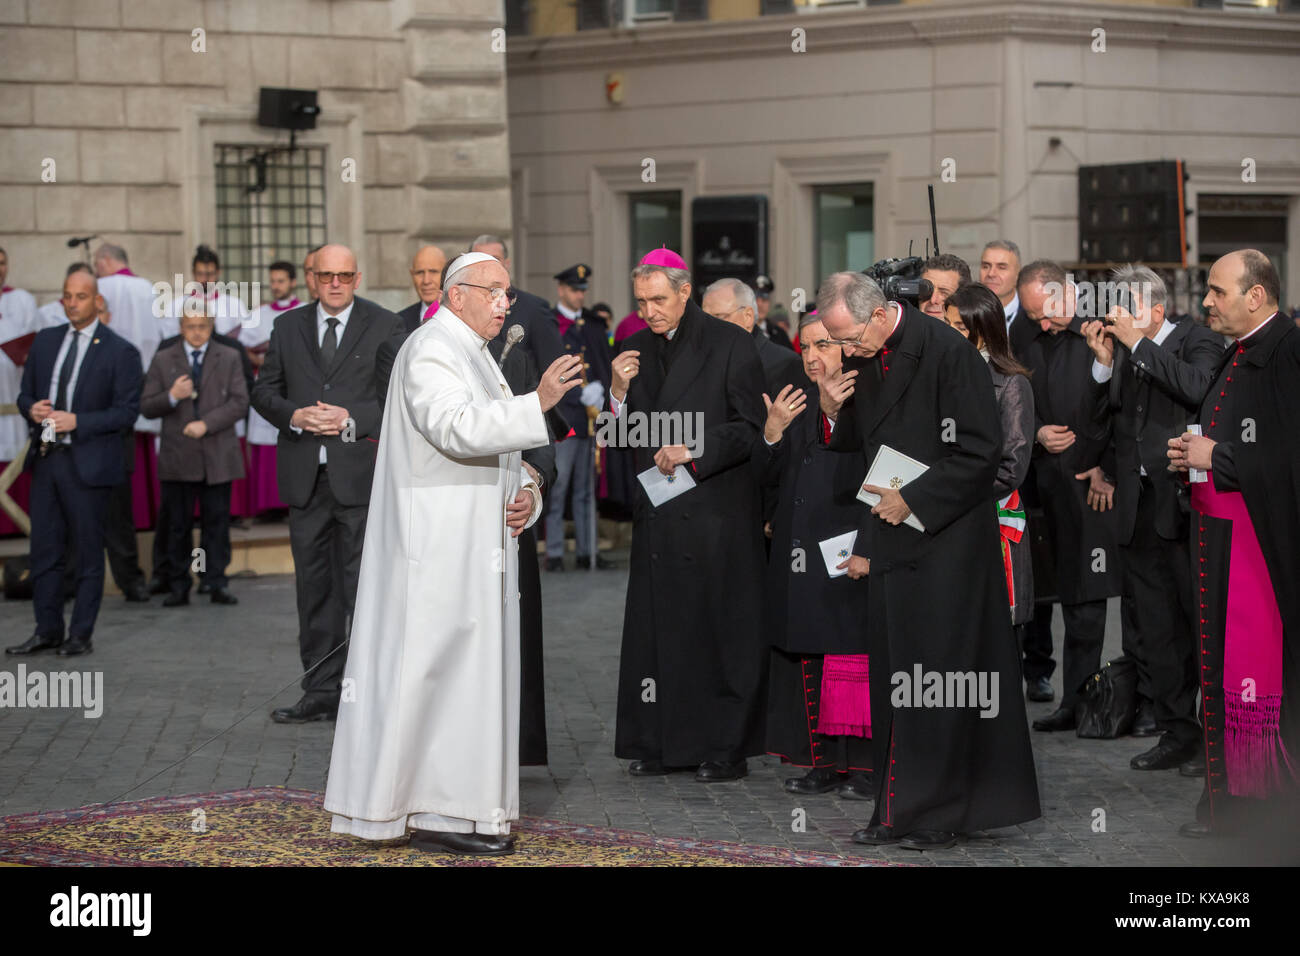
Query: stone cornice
(921, 24)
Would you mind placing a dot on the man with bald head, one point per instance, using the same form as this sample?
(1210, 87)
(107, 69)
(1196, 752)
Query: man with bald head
(317, 386)
(80, 391)
(733, 301)
(426, 276)
(1245, 524)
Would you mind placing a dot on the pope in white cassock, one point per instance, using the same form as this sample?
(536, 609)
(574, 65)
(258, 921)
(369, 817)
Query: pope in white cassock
(428, 723)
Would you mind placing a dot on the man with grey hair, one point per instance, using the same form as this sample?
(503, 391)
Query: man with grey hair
(938, 598)
(691, 675)
(530, 312)
(999, 271)
(1149, 376)
(733, 301)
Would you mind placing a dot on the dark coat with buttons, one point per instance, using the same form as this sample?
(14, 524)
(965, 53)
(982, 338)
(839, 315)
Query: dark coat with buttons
(693, 617)
(222, 400)
(815, 494)
(1151, 396)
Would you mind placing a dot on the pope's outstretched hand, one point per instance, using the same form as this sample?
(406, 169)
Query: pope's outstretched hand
(565, 373)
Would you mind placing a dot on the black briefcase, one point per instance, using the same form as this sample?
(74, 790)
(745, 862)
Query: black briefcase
(1109, 700)
(18, 578)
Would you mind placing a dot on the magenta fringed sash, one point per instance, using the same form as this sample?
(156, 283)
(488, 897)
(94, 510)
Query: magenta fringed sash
(1254, 755)
(846, 696)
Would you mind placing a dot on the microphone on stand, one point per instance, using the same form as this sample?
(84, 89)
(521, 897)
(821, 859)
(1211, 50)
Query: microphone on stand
(82, 241)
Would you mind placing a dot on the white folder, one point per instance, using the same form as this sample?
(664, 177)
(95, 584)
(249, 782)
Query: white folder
(837, 550)
(661, 487)
(892, 469)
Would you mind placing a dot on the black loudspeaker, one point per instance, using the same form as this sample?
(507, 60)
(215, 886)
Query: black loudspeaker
(287, 109)
(729, 239)
(1133, 212)
(18, 579)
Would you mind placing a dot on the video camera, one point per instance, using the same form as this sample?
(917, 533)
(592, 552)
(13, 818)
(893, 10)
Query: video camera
(900, 280)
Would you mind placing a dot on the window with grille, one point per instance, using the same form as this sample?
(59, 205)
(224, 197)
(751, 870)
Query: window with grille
(269, 207)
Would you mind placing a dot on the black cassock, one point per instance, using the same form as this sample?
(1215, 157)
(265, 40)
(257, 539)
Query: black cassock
(808, 614)
(693, 618)
(1252, 411)
(938, 598)
(521, 375)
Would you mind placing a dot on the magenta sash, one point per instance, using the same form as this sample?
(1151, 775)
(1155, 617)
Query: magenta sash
(846, 696)
(1254, 754)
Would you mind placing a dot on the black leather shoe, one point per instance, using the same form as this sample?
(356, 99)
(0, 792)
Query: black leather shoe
(859, 786)
(877, 834)
(74, 646)
(159, 586)
(305, 711)
(176, 600)
(35, 644)
(222, 596)
(137, 594)
(1039, 690)
(647, 768)
(468, 844)
(816, 780)
(1060, 719)
(1197, 830)
(602, 564)
(205, 588)
(1168, 753)
(718, 771)
(929, 840)
(1194, 767)
(1145, 724)
(555, 564)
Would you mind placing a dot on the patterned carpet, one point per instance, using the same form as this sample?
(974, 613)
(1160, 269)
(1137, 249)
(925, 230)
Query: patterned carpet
(273, 826)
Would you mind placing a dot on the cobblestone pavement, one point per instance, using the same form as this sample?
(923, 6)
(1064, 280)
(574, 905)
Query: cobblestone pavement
(174, 678)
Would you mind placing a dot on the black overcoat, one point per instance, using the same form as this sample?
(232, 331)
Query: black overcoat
(938, 598)
(692, 620)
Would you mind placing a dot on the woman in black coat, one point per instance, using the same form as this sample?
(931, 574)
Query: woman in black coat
(976, 312)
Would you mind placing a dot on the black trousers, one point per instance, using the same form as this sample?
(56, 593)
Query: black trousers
(66, 510)
(178, 498)
(326, 539)
(119, 527)
(532, 688)
(1085, 630)
(1158, 633)
(1035, 638)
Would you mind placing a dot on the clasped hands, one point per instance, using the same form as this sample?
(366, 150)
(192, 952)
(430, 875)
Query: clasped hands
(63, 421)
(320, 419)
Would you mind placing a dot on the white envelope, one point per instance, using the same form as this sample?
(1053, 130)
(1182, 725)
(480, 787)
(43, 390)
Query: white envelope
(661, 487)
(892, 469)
(837, 550)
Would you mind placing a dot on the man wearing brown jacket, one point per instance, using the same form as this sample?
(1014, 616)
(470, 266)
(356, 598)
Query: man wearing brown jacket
(196, 386)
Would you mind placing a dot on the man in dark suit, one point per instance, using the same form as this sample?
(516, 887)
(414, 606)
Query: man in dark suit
(426, 276)
(197, 388)
(1068, 443)
(1146, 392)
(318, 387)
(541, 335)
(704, 659)
(80, 391)
(581, 333)
(163, 572)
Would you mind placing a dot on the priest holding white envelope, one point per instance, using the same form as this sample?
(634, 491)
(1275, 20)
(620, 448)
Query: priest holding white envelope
(428, 721)
(690, 683)
(816, 616)
(950, 739)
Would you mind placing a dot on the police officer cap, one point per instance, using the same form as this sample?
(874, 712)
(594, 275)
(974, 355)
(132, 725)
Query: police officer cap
(576, 276)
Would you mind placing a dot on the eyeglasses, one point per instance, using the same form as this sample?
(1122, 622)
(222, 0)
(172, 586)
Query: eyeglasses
(723, 315)
(327, 278)
(494, 292)
(847, 343)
